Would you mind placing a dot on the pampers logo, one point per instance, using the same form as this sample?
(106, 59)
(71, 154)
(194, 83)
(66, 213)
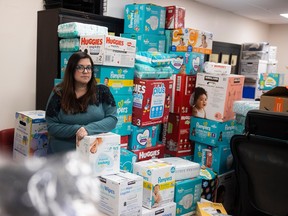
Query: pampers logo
(229, 128)
(203, 127)
(121, 109)
(166, 179)
(117, 76)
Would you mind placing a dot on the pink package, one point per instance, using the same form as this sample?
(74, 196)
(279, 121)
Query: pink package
(175, 17)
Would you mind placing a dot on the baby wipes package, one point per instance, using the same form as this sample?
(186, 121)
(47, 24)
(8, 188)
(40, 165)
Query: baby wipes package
(121, 194)
(217, 68)
(187, 194)
(142, 137)
(158, 182)
(168, 209)
(184, 169)
(102, 151)
(69, 45)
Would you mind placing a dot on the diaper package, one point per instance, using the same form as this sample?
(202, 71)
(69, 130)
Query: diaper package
(217, 68)
(102, 151)
(69, 45)
(121, 194)
(148, 153)
(269, 81)
(153, 59)
(76, 29)
(175, 17)
(187, 194)
(158, 182)
(184, 169)
(127, 159)
(165, 210)
(64, 57)
(208, 183)
(144, 71)
(242, 107)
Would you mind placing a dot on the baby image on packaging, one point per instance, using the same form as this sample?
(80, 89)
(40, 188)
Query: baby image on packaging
(198, 101)
(156, 196)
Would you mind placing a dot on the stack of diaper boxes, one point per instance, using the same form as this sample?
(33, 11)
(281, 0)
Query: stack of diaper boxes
(69, 35)
(212, 125)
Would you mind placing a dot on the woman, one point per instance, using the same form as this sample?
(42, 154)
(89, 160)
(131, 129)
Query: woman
(78, 107)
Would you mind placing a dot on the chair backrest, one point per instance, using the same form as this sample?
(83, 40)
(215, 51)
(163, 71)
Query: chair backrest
(6, 141)
(261, 166)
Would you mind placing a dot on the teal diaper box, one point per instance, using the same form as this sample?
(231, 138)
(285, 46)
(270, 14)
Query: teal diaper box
(64, 57)
(118, 79)
(269, 81)
(124, 114)
(187, 194)
(211, 132)
(127, 159)
(219, 159)
(142, 137)
(148, 42)
(144, 19)
(188, 63)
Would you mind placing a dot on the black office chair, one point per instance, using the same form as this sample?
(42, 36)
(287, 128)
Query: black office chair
(261, 165)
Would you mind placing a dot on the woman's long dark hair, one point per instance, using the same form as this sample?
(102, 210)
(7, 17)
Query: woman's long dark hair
(66, 89)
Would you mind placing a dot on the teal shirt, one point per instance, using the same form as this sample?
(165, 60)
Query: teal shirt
(62, 127)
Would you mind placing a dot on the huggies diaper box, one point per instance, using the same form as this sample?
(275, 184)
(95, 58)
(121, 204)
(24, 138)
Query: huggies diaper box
(220, 92)
(124, 141)
(211, 132)
(184, 169)
(188, 40)
(127, 159)
(158, 182)
(148, 153)
(175, 17)
(118, 79)
(144, 18)
(142, 137)
(121, 194)
(187, 194)
(102, 151)
(109, 50)
(30, 135)
(151, 101)
(166, 210)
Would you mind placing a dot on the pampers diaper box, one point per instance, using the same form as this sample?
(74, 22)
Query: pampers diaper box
(187, 194)
(151, 102)
(144, 19)
(221, 91)
(211, 132)
(102, 151)
(188, 40)
(109, 50)
(127, 159)
(142, 137)
(121, 194)
(158, 182)
(187, 62)
(30, 135)
(64, 57)
(166, 210)
(118, 79)
(124, 114)
(148, 42)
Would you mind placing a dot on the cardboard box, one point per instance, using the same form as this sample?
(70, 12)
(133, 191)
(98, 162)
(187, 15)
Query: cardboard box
(109, 50)
(127, 159)
(151, 102)
(175, 17)
(169, 209)
(102, 152)
(64, 57)
(121, 194)
(275, 100)
(30, 135)
(158, 182)
(207, 209)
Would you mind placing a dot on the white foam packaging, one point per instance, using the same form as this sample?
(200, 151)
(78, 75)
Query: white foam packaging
(184, 169)
(217, 68)
(102, 152)
(168, 209)
(109, 50)
(121, 194)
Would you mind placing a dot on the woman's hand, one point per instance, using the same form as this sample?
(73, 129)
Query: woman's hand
(80, 134)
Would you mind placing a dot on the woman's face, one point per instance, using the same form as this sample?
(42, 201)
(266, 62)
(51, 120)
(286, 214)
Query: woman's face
(83, 71)
(201, 101)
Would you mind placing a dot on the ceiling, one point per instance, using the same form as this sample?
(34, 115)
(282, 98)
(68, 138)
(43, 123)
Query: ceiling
(266, 11)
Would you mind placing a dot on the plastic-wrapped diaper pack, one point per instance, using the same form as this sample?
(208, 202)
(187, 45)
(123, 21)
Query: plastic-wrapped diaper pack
(243, 106)
(69, 45)
(144, 71)
(153, 59)
(76, 29)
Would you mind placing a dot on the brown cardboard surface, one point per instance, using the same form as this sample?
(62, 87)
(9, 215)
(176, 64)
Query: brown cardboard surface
(275, 100)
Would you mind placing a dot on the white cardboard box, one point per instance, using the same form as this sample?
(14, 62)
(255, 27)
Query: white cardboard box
(102, 151)
(30, 136)
(168, 209)
(121, 194)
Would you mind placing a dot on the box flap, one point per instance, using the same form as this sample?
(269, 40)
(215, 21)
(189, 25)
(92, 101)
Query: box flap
(277, 91)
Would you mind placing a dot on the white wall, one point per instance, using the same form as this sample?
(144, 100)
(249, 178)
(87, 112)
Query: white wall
(18, 21)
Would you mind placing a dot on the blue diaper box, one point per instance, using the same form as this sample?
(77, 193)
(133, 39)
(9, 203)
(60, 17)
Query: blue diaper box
(64, 57)
(187, 194)
(142, 137)
(127, 159)
(148, 42)
(119, 79)
(57, 81)
(188, 63)
(124, 114)
(144, 19)
(211, 132)
(219, 159)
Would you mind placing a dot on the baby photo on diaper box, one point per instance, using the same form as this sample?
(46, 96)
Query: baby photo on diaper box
(102, 151)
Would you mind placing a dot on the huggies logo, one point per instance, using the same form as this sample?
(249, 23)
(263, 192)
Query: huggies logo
(151, 154)
(91, 41)
(114, 41)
